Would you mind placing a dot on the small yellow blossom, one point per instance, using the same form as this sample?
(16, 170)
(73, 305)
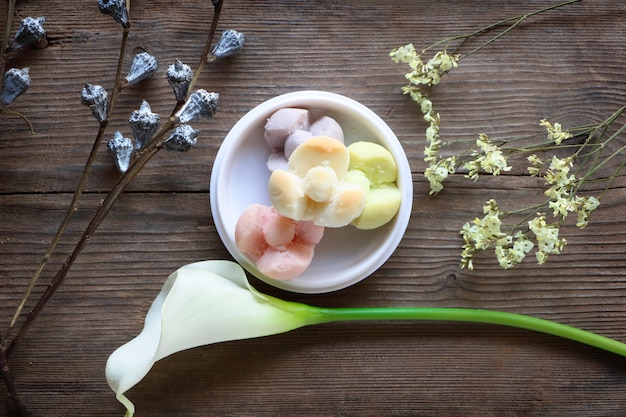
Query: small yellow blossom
(438, 171)
(482, 233)
(585, 206)
(510, 256)
(424, 74)
(406, 53)
(489, 158)
(547, 235)
(558, 177)
(535, 165)
(561, 206)
(555, 132)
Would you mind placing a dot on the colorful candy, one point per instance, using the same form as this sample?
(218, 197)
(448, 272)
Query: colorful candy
(315, 182)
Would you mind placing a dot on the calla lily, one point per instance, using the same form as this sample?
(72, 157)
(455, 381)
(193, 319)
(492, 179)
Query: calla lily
(201, 303)
(212, 301)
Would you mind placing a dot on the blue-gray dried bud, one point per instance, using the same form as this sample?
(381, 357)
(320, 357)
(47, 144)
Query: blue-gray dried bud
(121, 149)
(179, 76)
(229, 44)
(143, 123)
(96, 98)
(182, 139)
(143, 67)
(16, 81)
(30, 32)
(200, 103)
(115, 8)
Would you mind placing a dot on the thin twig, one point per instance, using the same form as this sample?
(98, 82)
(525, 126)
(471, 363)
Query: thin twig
(5, 371)
(82, 183)
(7, 110)
(4, 53)
(7, 377)
(118, 86)
(516, 19)
(99, 216)
(207, 46)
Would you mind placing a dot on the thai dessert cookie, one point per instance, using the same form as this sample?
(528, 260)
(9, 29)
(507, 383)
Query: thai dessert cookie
(373, 168)
(280, 247)
(288, 127)
(313, 186)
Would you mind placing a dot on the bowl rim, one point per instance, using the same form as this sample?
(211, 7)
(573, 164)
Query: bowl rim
(316, 99)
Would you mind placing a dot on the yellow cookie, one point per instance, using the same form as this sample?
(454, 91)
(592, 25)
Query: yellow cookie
(373, 168)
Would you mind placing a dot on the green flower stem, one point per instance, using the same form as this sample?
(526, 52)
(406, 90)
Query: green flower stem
(329, 315)
(618, 152)
(513, 21)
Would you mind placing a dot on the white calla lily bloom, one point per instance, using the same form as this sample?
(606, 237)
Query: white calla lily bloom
(211, 301)
(201, 303)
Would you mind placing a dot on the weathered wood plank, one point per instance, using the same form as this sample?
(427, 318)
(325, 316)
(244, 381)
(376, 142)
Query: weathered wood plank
(360, 369)
(311, 45)
(566, 65)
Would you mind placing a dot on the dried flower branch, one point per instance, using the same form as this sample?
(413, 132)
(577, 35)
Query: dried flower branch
(150, 139)
(97, 99)
(564, 180)
(12, 84)
(511, 242)
(155, 144)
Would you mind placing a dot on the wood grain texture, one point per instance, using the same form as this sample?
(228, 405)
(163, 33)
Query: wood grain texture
(566, 65)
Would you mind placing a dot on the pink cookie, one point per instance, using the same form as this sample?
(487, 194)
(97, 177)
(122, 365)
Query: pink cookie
(281, 248)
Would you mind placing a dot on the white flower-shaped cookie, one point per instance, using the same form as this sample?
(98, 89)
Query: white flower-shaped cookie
(313, 186)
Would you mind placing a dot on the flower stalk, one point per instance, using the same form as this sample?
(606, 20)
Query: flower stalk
(520, 321)
(4, 52)
(212, 301)
(513, 22)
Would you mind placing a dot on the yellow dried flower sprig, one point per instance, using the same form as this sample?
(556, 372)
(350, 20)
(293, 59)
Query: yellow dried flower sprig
(563, 198)
(563, 180)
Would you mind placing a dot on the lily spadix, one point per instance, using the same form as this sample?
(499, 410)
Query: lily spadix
(212, 301)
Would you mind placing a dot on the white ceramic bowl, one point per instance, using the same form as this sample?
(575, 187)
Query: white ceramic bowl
(239, 178)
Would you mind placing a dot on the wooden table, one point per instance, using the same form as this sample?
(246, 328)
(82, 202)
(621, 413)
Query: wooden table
(566, 65)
